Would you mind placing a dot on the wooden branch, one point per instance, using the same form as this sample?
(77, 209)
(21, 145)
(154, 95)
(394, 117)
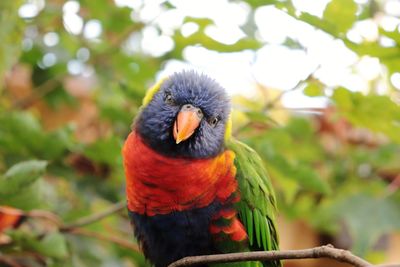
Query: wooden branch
(44, 214)
(273, 103)
(8, 262)
(75, 227)
(113, 239)
(95, 217)
(327, 251)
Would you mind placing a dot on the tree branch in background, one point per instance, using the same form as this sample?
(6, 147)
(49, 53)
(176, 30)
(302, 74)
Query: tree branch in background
(327, 251)
(113, 239)
(95, 217)
(394, 185)
(9, 262)
(272, 104)
(44, 214)
(75, 227)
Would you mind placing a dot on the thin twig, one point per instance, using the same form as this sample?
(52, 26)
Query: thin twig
(95, 217)
(394, 185)
(40, 214)
(272, 104)
(113, 239)
(9, 262)
(74, 228)
(327, 251)
(44, 214)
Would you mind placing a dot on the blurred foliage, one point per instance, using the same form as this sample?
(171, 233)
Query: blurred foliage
(67, 103)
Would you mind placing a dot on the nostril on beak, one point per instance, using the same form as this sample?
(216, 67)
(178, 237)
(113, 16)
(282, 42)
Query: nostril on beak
(190, 107)
(187, 106)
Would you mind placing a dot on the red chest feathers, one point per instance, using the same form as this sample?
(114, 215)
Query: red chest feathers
(156, 184)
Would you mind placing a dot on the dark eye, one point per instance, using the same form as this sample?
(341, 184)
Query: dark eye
(214, 121)
(168, 98)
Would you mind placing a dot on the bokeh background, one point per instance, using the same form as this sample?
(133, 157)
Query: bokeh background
(315, 86)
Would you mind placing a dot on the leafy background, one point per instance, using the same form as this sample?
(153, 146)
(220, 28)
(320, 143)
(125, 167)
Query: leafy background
(67, 104)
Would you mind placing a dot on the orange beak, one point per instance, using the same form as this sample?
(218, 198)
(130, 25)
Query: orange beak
(187, 121)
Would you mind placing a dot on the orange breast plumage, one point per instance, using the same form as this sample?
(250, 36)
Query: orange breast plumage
(157, 184)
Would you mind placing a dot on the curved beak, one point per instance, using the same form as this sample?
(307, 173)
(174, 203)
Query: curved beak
(187, 121)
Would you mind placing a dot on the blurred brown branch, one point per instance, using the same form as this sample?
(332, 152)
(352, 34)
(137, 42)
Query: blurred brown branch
(113, 239)
(8, 261)
(327, 251)
(94, 217)
(273, 104)
(75, 227)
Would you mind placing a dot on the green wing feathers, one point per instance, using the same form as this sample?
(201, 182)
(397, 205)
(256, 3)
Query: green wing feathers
(257, 206)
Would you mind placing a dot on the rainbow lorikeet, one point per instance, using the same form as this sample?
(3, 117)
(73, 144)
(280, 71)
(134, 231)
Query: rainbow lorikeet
(191, 188)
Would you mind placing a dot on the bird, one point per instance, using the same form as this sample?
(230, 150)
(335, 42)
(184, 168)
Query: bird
(191, 188)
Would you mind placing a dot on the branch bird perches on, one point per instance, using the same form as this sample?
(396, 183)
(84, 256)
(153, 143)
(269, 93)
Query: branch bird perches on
(327, 251)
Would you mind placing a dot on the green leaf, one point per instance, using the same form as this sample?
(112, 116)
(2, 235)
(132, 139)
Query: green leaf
(258, 3)
(342, 98)
(200, 38)
(54, 245)
(30, 197)
(292, 43)
(51, 245)
(201, 22)
(22, 135)
(374, 49)
(105, 151)
(317, 22)
(11, 33)
(341, 13)
(21, 175)
(303, 174)
(394, 35)
(375, 112)
(356, 211)
(260, 117)
(310, 179)
(314, 89)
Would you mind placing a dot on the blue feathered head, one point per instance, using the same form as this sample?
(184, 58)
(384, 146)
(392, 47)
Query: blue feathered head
(185, 116)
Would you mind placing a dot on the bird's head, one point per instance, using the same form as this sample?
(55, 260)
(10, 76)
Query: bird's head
(185, 115)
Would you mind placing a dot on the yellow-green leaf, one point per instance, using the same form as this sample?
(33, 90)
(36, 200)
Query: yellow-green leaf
(341, 13)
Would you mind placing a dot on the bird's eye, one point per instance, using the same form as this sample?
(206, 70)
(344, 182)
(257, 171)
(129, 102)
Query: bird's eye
(214, 121)
(168, 98)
